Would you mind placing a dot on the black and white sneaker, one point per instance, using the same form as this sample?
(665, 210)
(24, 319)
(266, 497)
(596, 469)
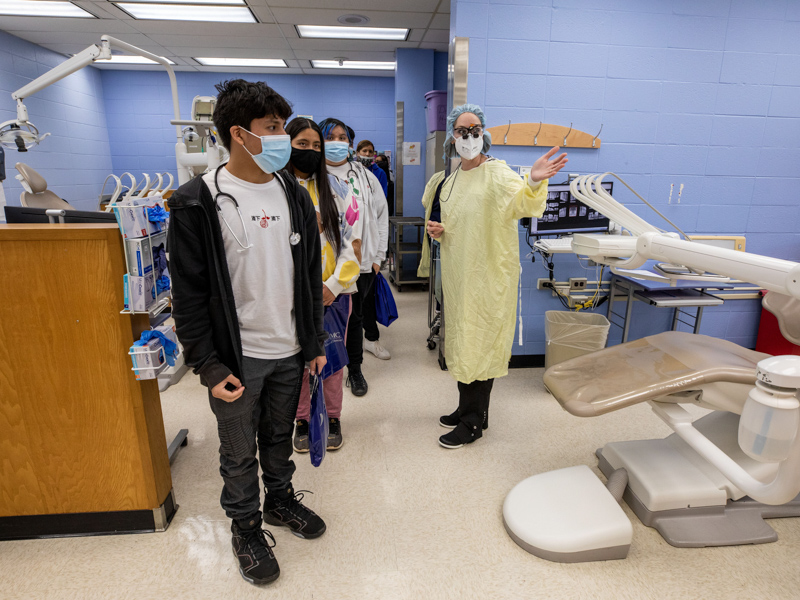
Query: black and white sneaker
(288, 511)
(300, 441)
(356, 382)
(334, 434)
(460, 435)
(257, 563)
(450, 421)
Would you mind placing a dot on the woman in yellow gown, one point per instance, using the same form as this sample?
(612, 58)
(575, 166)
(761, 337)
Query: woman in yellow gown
(479, 206)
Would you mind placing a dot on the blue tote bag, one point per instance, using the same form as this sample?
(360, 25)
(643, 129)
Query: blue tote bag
(385, 308)
(318, 425)
(335, 323)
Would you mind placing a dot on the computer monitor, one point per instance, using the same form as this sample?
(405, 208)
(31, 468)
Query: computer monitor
(565, 214)
(24, 214)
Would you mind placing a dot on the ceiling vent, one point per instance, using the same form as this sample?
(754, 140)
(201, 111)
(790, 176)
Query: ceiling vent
(353, 19)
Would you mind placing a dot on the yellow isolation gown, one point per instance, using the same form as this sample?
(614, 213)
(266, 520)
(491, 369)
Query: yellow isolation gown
(480, 263)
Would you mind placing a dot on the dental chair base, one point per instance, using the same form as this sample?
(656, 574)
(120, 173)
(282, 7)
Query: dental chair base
(568, 516)
(687, 500)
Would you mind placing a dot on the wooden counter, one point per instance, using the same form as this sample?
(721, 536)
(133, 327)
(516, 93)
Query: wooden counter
(82, 444)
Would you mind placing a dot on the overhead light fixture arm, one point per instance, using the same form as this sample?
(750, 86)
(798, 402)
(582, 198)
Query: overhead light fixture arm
(85, 58)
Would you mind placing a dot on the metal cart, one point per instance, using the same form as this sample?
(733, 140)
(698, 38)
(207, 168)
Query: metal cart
(398, 249)
(436, 305)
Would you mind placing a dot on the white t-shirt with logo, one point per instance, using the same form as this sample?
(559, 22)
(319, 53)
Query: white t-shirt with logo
(262, 276)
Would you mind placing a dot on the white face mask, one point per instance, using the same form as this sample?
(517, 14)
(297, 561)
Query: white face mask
(469, 148)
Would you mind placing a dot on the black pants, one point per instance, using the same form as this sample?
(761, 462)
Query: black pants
(261, 419)
(473, 404)
(363, 321)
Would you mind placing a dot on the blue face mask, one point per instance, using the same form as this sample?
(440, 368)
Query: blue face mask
(275, 152)
(337, 151)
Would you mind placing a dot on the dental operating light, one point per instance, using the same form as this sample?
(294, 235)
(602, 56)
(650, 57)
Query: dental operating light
(21, 134)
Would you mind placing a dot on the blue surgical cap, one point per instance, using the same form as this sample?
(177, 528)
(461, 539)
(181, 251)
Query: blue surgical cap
(450, 149)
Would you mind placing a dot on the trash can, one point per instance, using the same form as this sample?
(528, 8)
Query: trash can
(436, 110)
(572, 334)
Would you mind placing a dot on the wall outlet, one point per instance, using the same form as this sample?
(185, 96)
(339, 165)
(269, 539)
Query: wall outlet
(577, 283)
(543, 284)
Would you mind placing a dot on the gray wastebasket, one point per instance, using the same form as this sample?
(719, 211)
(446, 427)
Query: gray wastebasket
(572, 334)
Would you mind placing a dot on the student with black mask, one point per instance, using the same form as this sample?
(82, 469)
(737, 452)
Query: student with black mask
(340, 239)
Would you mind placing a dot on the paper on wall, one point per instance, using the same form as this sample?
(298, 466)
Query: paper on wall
(411, 153)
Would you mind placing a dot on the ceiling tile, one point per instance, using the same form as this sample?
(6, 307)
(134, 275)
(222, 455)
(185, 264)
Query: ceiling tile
(100, 26)
(234, 53)
(205, 29)
(323, 55)
(306, 16)
(177, 42)
(348, 45)
(441, 21)
(263, 14)
(415, 35)
(434, 46)
(437, 36)
(345, 6)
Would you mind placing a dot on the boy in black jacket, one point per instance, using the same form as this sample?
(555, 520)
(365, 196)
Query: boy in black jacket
(247, 301)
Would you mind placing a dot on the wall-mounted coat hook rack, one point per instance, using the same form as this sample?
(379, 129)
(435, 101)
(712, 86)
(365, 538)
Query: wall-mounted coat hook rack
(598, 135)
(544, 134)
(567, 134)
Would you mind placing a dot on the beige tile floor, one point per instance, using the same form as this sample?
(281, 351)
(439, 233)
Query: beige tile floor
(406, 518)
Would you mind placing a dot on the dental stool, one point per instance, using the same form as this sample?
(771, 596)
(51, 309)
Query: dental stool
(38, 196)
(673, 484)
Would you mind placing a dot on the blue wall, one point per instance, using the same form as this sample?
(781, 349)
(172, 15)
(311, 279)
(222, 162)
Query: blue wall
(75, 158)
(414, 77)
(700, 92)
(139, 108)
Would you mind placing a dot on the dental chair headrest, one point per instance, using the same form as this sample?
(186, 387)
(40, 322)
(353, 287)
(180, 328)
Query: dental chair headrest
(787, 310)
(36, 182)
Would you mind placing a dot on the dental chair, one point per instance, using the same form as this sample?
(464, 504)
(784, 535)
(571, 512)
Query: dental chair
(36, 194)
(713, 481)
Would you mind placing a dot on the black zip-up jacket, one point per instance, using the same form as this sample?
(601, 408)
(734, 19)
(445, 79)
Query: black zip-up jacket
(202, 296)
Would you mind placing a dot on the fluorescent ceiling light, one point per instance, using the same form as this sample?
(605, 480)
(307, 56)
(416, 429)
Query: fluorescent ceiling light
(188, 12)
(39, 8)
(353, 64)
(352, 33)
(240, 2)
(241, 62)
(124, 59)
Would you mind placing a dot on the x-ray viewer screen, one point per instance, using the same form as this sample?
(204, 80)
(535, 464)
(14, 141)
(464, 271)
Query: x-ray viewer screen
(565, 214)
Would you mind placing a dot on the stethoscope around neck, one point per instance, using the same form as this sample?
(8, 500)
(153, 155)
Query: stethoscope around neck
(294, 238)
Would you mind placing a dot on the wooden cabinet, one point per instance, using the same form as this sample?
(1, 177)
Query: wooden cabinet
(82, 444)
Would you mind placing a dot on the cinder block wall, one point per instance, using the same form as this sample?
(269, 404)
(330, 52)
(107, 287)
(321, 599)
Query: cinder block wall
(76, 157)
(139, 107)
(704, 93)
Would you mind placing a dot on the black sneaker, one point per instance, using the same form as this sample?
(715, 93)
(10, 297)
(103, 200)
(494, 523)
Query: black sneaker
(257, 563)
(458, 437)
(300, 441)
(288, 511)
(450, 421)
(334, 434)
(356, 382)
